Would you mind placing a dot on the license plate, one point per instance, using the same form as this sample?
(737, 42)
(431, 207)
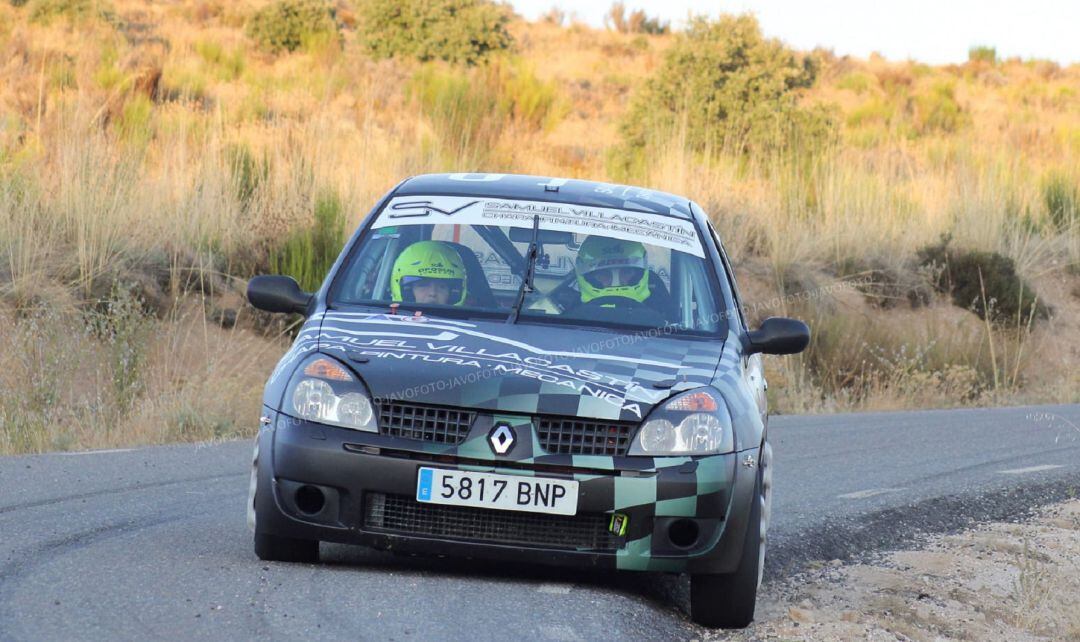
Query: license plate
(505, 492)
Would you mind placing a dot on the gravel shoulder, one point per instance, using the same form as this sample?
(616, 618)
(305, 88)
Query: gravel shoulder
(1012, 581)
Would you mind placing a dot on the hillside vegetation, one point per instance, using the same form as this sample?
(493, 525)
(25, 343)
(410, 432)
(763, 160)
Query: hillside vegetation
(153, 156)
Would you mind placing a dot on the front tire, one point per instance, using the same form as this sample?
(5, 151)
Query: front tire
(728, 600)
(272, 548)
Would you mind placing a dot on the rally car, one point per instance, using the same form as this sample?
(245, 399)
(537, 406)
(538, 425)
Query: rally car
(528, 369)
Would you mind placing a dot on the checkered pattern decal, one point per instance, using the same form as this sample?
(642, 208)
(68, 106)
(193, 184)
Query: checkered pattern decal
(511, 373)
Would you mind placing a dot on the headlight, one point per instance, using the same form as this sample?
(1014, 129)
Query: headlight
(693, 423)
(324, 391)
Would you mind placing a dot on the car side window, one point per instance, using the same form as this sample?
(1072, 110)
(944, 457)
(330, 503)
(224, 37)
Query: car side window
(739, 310)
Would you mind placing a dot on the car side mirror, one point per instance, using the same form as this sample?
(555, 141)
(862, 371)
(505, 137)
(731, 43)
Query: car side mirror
(779, 335)
(278, 294)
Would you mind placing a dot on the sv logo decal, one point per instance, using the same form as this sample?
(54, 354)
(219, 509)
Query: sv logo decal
(425, 208)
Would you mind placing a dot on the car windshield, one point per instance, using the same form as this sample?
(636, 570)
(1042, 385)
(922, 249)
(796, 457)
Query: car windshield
(467, 257)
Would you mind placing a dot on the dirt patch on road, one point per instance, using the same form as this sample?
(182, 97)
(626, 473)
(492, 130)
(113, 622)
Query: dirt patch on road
(996, 582)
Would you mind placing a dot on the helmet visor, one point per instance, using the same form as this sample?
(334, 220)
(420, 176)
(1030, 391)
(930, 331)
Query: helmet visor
(611, 277)
(420, 289)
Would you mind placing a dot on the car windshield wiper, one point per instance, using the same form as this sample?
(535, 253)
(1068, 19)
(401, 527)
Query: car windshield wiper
(530, 268)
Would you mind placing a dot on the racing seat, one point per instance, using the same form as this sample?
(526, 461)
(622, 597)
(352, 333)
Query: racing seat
(479, 290)
(660, 296)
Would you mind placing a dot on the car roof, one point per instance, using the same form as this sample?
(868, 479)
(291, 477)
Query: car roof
(544, 188)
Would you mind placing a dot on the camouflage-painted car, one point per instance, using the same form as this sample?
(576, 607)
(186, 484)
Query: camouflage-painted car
(529, 369)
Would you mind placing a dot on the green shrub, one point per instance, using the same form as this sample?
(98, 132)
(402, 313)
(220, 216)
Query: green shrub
(135, 123)
(210, 51)
(1061, 196)
(634, 22)
(982, 53)
(287, 25)
(874, 112)
(62, 73)
(308, 253)
(857, 81)
(983, 282)
(554, 16)
(247, 172)
(936, 110)
(124, 328)
(457, 31)
(108, 75)
(180, 83)
(527, 99)
(195, 422)
(45, 11)
(470, 110)
(883, 285)
(723, 84)
(40, 343)
(462, 112)
(229, 65)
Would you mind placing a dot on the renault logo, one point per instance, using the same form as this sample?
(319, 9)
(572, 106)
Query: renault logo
(501, 438)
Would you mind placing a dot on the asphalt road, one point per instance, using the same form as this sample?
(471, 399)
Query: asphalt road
(153, 543)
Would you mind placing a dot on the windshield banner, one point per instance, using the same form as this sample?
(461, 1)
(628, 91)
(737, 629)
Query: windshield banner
(655, 229)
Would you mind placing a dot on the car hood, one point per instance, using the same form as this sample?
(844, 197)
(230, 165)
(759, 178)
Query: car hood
(516, 368)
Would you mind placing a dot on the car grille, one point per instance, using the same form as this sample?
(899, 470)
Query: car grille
(403, 514)
(571, 436)
(557, 435)
(425, 423)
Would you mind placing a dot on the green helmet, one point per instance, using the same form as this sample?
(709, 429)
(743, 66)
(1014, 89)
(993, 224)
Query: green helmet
(612, 267)
(426, 260)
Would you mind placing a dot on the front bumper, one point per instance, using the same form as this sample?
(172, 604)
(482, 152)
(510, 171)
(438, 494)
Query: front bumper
(683, 514)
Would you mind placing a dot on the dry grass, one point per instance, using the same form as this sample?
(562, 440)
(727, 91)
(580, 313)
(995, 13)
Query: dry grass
(164, 147)
(97, 379)
(73, 384)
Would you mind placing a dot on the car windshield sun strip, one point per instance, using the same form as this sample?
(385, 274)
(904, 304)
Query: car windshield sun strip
(530, 269)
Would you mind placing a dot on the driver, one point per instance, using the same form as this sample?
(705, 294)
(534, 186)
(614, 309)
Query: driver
(608, 267)
(428, 272)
